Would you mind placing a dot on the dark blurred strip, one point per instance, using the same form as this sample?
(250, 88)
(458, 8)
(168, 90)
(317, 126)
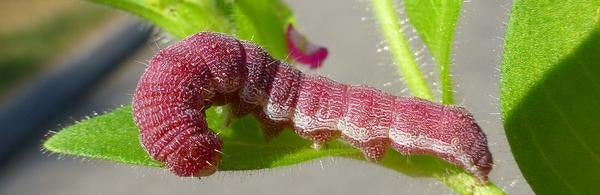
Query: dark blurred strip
(25, 117)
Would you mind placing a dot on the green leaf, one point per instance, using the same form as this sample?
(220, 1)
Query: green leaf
(550, 94)
(264, 22)
(179, 17)
(114, 136)
(435, 21)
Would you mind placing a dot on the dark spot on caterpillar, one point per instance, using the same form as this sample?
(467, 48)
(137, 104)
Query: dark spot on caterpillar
(207, 69)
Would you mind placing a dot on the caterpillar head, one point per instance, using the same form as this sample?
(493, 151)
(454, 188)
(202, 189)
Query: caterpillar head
(197, 156)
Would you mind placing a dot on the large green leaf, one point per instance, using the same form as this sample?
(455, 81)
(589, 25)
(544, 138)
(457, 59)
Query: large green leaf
(435, 21)
(114, 136)
(550, 93)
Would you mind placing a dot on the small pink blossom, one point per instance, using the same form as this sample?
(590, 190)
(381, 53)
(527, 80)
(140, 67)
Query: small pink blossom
(301, 50)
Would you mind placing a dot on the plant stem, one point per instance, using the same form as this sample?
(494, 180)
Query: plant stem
(407, 67)
(446, 82)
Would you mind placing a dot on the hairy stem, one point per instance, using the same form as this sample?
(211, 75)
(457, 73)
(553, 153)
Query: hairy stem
(407, 67)
(446, 82)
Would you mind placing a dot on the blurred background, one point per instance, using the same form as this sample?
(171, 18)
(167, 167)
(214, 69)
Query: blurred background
(63, 60)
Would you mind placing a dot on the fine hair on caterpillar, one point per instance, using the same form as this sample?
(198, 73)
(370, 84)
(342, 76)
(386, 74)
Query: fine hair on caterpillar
(207, 69)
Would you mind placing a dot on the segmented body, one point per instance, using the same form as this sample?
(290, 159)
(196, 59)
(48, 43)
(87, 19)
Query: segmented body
(208, 69)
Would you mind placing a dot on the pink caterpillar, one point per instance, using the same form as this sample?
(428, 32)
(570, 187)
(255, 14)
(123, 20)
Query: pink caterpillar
(207, 69)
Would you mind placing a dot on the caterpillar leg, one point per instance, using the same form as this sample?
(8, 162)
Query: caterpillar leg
(239, 108)
(367, 120)
(373, 150)
(321, 103)
(318, 137)
(270, 128)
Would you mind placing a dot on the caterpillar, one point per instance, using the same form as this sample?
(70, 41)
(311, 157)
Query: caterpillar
(209, 68)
